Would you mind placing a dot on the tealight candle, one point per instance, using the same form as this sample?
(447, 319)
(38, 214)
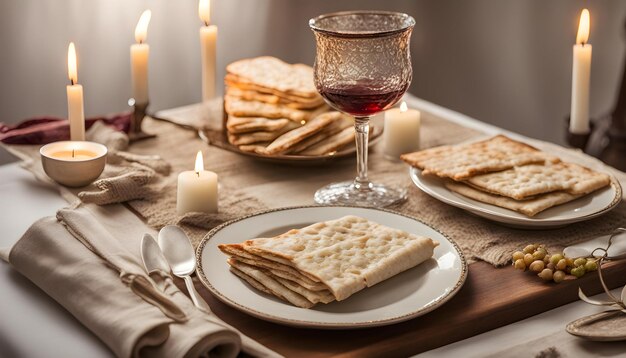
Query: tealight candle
(208, 40)
(402, 131)
(73, 163)
(197, 190)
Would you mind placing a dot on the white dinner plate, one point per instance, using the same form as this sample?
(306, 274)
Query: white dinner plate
(407, 295)
(584, 208)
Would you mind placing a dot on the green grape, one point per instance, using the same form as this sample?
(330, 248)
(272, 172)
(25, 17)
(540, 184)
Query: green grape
(537, 266)
(556, 258)
(591, 265)
(558, 276)
(529, 249)
(581, 261)
(578, 271)
(546, 274)
(528, 259)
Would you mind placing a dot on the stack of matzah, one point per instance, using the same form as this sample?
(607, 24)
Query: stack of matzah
(507, 173)
(273, 108)
(326, 261)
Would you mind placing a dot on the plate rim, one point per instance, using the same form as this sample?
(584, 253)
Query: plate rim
(614, 183)
(330, 325)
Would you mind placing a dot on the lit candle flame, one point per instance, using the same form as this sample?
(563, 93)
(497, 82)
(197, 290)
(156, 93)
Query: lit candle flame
(199, 163)
(72, 68)
(583, 28)
(204, 11)
(141, 31)
(403, 107)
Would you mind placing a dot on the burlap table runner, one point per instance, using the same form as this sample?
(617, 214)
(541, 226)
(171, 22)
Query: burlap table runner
(248, 185)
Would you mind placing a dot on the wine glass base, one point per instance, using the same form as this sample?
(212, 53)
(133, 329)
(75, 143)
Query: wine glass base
(347, 193)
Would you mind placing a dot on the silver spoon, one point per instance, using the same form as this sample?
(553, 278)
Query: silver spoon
(179, 253)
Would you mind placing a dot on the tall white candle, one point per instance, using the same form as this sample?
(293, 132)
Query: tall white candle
(139, 54)
(197, 190)
(402, 131)
(208, 40)
(75, 110)
(581, 73)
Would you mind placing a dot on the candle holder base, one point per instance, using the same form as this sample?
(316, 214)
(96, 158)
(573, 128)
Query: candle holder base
(136, 133)
(604, 141)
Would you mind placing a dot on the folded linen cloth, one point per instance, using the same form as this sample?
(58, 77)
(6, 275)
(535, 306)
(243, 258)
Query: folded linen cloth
(86, 265)
(44, 130)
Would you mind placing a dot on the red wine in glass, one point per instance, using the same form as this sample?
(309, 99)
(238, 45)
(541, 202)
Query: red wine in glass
(361, 100)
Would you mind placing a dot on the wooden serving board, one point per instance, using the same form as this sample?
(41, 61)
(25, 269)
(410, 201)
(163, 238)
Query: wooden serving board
(490, 298)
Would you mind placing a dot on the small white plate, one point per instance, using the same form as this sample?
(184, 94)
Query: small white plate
(585, 208)
(407, 295)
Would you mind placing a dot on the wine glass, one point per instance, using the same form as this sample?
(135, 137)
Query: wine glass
(362, 67)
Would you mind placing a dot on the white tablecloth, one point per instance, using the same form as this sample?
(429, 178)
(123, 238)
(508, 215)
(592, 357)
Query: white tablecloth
(33, 325)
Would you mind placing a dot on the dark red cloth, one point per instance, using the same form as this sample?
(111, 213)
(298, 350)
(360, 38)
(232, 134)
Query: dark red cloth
(44, 130)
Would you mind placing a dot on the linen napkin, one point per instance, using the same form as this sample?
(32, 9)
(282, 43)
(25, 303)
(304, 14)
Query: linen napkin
(44, 130)
(86, 265)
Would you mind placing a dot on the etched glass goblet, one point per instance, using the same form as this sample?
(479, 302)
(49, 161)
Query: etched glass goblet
(362, 67)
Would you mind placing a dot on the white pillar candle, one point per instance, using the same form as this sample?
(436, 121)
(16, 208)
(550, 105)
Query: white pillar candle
(139, 54)
(208, 41)
(402, 131)
(75, 110)
(197, 190)
(581, 73)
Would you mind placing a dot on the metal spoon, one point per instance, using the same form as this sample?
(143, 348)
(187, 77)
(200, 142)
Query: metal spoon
(179, 253)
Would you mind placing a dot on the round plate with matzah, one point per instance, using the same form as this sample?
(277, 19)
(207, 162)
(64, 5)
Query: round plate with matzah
(409, 294)
(581, 209)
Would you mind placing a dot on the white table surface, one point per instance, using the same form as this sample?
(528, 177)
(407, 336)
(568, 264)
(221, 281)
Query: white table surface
(33, 325)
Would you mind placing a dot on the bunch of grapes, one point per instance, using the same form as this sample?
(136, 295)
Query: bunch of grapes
(554, 267)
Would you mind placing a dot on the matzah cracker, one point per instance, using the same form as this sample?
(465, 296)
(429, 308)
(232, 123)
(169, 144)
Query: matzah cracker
(249, 94)
(261, 136)
(237, 107)
(312, 296)
(252, 282)
(529, 180)
(289, 139)
(238, 125)
(530, 207)
(330, 130)
(346, 254)
(273, 73)
(332, 143)
(463, 161)
(253, 148)
(277, 269)
(271, 284)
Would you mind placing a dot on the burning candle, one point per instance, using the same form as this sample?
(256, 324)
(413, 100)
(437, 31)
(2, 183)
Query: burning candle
(402, 131)
(75, 111)
(139, 54)
(197, 190)
(208, 40)
(73, 163)
(581, 73)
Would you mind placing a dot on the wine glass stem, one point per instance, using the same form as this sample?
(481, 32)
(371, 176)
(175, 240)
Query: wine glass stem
(362, 128)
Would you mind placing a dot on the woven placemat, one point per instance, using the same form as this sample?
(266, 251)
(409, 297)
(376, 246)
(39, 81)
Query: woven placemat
(247, 185)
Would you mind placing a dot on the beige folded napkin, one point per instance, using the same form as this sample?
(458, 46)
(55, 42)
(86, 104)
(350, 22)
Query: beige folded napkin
(89, 263)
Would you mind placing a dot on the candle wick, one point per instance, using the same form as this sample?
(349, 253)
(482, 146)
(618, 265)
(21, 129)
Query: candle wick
(206, 23)
(72, 153)
(72, 81)
(198, 174)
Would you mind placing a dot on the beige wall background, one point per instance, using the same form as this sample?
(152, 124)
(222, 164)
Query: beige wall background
(506, 62)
